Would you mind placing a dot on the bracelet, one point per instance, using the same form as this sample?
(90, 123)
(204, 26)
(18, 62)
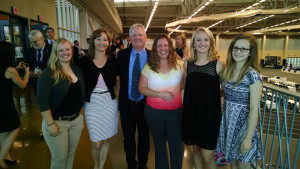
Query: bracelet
(51, 124)
(26, 76)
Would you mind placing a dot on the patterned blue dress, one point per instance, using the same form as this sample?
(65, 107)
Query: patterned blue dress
(234, 122)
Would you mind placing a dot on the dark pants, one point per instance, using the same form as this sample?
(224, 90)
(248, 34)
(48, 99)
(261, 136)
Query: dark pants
(165, 125)
(131, 120)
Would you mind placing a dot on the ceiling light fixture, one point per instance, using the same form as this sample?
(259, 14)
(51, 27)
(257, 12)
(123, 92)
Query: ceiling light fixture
(251, 6)
(152, 13)
(254, 22)
(175, 29)
(287, 22)
(248, 8)
(201, 8)
(215, 24)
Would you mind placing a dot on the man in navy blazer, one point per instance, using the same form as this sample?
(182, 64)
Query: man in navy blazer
(40, 51)
(131, 103)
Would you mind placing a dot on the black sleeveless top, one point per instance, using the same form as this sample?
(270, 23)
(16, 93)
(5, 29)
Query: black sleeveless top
(9, 118)
(201, 114)
(179, 52)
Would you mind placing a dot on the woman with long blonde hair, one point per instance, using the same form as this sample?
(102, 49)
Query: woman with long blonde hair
(60, 97)
(201, 114)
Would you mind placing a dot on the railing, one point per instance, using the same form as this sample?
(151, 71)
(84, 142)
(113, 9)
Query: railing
(280, 128)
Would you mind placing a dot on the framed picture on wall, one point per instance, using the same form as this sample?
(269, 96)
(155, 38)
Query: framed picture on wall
(7, 37)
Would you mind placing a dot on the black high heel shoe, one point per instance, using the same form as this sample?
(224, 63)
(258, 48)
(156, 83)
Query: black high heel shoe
(10, 162)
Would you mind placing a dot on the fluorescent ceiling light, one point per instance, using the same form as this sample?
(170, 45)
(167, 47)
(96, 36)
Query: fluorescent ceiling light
(152, 13)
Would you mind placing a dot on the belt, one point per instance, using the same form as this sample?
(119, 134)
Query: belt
(101, 92)
(66, 118)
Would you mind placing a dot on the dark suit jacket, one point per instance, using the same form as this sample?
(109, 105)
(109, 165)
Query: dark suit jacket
(123, 70)
(130, 45)
(31, 57)
(46, 41)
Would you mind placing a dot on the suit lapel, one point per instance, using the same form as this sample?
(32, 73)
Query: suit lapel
(128, 61)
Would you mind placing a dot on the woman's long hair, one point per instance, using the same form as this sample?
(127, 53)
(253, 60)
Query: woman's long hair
(119, 44)
(212, 53)
(95, 35)
(7, 54)
(183, 38)
(252, 60)
(58, 72)
(154, 59)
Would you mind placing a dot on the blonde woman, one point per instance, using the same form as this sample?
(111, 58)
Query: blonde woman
(239, 138)
(60, 96)
(201, 114)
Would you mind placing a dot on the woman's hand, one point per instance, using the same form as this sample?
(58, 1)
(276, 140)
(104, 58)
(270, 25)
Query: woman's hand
(246, 145)
(53, 130)
(168, 96)
(20, 65)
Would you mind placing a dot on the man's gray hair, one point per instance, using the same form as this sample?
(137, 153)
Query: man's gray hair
(36, 33)
(137, 25)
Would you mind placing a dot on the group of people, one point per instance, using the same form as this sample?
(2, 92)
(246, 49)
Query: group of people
(150, 98)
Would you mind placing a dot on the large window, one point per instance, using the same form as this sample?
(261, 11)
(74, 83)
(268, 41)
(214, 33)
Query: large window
(67, 20)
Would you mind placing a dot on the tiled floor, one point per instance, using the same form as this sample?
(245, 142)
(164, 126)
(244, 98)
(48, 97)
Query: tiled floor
(32, 152)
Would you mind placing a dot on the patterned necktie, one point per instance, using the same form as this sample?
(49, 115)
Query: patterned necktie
(136, 71)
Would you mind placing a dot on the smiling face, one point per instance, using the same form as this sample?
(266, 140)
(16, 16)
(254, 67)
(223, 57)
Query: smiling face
(163, 48)
(64, 52)
(241, 50)
(138, 38)
(201, 42)
(101, 43)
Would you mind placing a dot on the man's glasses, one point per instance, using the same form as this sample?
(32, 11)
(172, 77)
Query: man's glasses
(242, 50)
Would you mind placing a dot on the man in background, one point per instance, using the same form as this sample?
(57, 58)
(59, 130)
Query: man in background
(49, 33)
(128, 40)
(39, 53)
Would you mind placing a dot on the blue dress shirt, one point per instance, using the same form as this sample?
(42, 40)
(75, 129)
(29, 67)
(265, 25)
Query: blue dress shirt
(143, 61)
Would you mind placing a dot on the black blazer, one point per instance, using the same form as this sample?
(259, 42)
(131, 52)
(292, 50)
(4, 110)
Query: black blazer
(31, 57)
(91, 74)
(123, 71)
(46, 41)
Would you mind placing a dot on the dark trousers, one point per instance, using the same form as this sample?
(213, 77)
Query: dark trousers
(165, 125)
(131, 120)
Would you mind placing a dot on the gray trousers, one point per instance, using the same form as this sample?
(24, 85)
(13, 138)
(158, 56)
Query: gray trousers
(63, 146)
(165, 126)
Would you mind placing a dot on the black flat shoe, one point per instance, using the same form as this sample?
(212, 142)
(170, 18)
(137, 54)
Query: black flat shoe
(10, 162)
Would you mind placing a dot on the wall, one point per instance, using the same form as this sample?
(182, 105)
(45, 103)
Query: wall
(32, 8)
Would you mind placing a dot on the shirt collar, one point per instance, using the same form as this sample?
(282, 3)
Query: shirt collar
(142, 52)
